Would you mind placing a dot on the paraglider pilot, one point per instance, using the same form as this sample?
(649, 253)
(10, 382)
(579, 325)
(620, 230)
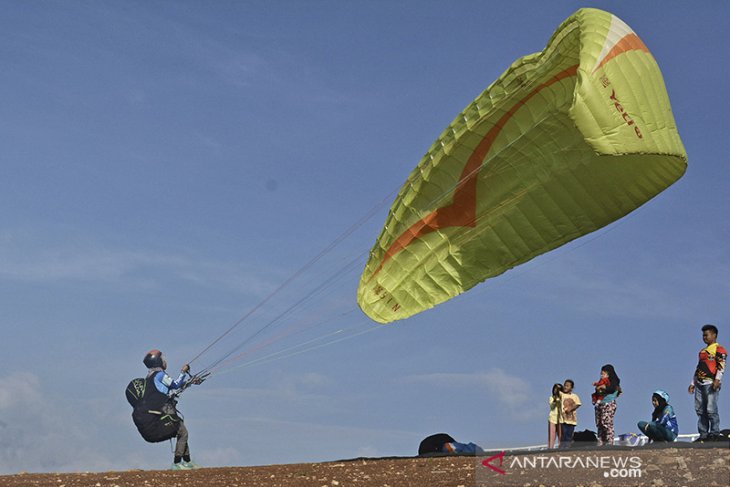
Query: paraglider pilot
(154, 401)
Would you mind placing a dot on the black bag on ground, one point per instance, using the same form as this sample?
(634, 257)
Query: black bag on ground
(154, 413)
(434, 443)
(585, 437)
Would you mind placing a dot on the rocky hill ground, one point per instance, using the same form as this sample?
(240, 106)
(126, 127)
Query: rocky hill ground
(670, 465)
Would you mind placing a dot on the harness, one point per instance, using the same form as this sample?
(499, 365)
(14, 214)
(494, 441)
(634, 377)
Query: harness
(155, 414)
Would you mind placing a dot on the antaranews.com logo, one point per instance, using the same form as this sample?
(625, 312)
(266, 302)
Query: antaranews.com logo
(518, 468)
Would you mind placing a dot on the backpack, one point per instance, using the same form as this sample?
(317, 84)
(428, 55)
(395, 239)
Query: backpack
(135, 391)
(154, 413)
(434, 443)
(585, 437)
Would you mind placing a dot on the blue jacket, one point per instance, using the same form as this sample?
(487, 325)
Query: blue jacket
(669, 420)
(466, 448)
(164, 382)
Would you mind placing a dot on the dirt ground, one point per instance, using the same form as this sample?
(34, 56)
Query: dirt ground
(646, 466)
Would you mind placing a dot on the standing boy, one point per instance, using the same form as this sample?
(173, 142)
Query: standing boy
(706, 385)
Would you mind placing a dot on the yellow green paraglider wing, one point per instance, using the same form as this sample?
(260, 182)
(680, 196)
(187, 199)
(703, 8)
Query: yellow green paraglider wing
(565, 142)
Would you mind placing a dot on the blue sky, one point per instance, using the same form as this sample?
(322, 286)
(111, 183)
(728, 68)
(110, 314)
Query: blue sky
(165, 166)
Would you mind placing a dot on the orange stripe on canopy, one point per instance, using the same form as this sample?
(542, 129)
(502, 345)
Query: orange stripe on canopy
(462, 211)
(629, 42)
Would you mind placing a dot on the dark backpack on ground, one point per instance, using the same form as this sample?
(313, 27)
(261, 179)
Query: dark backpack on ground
(434, 443)
(585, 437)
(154, 413)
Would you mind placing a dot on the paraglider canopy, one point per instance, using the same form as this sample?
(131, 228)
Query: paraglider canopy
(565, 142)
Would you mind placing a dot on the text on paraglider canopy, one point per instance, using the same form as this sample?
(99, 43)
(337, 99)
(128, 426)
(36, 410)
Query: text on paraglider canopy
(382, 294)
(627, 118)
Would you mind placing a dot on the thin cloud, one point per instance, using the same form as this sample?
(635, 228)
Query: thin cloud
(509, 390)
(38, 435)
(304, 389)
(19, 389)
(93, 262)
(651, 289)
(295, 439)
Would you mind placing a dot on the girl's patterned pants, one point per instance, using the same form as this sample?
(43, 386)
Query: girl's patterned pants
(604, 422)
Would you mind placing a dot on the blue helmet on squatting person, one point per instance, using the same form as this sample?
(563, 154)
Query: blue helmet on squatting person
(663, 425)
(154, 400)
